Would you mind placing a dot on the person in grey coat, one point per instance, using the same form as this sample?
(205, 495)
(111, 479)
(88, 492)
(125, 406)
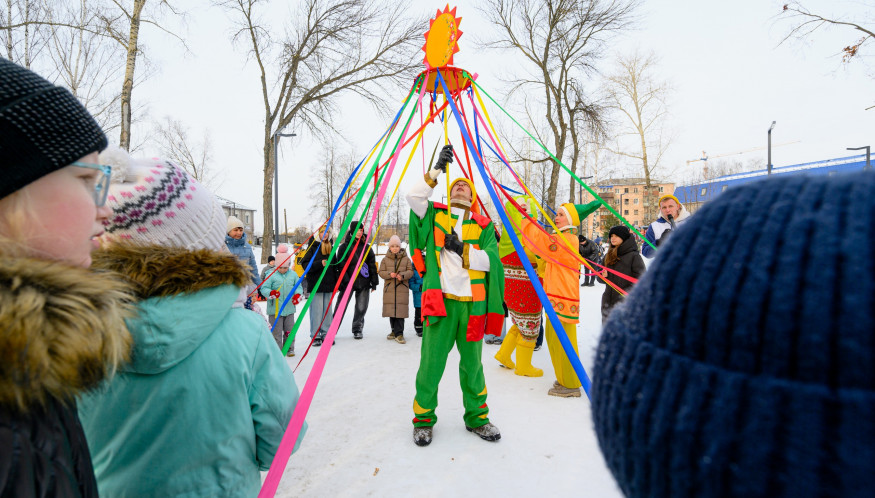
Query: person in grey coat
(237, 244)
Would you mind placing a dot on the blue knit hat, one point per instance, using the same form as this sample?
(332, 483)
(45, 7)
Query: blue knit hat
(743, 363)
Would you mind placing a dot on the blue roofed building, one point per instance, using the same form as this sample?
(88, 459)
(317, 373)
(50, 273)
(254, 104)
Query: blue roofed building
(694, 196)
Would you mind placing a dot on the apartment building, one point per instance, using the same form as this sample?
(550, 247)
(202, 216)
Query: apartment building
(627, 197)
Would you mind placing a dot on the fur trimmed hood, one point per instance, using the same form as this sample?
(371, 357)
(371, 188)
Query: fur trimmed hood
(184, 296)
(63, 330)
(161, 271)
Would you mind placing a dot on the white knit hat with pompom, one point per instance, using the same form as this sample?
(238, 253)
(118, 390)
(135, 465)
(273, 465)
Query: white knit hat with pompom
(154, 201)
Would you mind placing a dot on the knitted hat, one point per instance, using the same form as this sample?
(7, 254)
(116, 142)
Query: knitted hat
(668, 196)
(154, 201)
(283, 256)
(233, 222)
(620, 231)
(394, 240)
(43, 128)
(470, 185)
(743, 362)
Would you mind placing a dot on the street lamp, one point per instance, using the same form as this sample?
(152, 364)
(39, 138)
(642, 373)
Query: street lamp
(276, 185)
(770, 148)
(868, 164)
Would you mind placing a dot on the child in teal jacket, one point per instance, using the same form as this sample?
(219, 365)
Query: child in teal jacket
(202, 406)
(276, 288)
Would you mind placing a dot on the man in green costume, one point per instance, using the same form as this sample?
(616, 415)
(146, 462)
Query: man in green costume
(463, 288)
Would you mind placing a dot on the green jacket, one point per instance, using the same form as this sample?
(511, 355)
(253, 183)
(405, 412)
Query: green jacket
(203, 404)
(283, 283)
(487, 312)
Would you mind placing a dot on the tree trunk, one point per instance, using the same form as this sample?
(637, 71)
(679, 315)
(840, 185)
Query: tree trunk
(267, 195)
(128, 85)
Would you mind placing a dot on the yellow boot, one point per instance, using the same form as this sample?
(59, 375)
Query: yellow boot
(524, 351)
(507, 347)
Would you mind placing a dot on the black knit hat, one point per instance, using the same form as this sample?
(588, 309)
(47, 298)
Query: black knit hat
(743, 363)
(620, 231)
(43, 128)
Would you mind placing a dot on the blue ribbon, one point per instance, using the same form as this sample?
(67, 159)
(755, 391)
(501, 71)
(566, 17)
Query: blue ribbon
(533, 276)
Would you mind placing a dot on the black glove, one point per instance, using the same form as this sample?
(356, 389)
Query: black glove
(445, 157)
(452, 243)
(663, 238)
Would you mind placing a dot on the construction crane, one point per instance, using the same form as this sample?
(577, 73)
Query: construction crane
(705, 157)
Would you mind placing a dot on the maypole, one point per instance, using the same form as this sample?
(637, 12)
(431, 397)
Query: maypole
(439, 77)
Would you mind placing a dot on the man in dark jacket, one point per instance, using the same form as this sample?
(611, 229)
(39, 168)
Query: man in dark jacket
(589, 251)
(366, 279)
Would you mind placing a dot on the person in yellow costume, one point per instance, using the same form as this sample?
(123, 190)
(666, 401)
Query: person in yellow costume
(522, 301)
(561, 285)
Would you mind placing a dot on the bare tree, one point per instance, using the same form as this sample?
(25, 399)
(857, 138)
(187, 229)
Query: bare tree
(195, 157)
(640, 98)
(84, 62)
(805, 23)
(560, 41)
(329, 176)
(123, 25)
(329, 48)
(23, 29)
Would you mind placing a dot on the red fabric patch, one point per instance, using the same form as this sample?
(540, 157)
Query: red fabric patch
(476, 324)
(483, 405)
(418, 420)
(433, 303)
(494, 323)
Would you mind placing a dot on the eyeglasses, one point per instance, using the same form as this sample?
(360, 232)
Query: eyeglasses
(101, 186)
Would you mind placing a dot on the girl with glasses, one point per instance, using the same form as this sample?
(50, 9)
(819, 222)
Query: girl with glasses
(62, 326)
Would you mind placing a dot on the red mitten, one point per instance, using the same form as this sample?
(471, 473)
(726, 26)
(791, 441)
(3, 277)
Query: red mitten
(296, 299)
(274, 294)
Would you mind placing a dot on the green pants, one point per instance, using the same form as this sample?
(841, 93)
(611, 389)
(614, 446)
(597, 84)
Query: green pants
(437, 342)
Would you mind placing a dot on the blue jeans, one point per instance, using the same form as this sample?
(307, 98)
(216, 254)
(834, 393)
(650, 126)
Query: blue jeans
(318, 306)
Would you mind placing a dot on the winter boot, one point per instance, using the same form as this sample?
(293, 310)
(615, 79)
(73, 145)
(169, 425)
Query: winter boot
(391, 336)
(524, 350)
(422, 436)
(400, 339)
(486, 432)
(564, 392)
(507, 347)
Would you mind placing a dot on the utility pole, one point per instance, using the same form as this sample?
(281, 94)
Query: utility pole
(770, 148)
(286, 223)
(868, 164)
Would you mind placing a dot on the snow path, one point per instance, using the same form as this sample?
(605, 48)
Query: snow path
(360, 442)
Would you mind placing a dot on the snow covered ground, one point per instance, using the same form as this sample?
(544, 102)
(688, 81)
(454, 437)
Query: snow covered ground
(360, 442)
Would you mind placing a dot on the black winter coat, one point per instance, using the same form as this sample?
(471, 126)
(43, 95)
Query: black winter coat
(72, 331)
(45, 453)
(361, 282)
(589, 251)
(312, 276)
(631, 264)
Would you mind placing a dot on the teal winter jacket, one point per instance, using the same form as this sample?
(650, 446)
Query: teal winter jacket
(283, 282)
(203, 404)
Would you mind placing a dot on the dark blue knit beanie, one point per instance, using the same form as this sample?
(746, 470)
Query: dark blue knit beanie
(743, 362)
(43, 128)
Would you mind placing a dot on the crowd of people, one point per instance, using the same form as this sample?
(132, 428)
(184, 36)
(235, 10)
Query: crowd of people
(733, 367)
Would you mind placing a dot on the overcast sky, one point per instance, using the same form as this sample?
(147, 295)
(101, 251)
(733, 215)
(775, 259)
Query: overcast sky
(731, 79)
